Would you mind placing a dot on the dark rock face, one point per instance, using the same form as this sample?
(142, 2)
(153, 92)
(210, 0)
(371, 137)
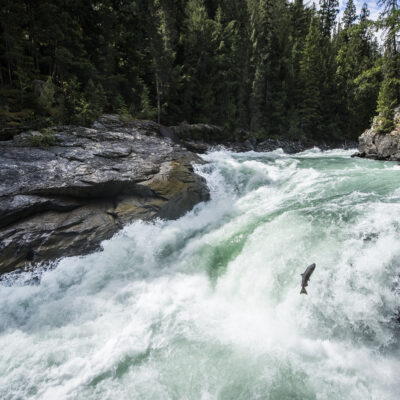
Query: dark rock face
(380, 146)
(65, 199)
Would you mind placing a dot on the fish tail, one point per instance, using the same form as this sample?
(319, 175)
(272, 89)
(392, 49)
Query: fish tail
(303, 291)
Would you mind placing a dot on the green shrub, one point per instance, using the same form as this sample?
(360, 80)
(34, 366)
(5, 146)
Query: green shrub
(45, 139)
(147, 110)
(46, 99)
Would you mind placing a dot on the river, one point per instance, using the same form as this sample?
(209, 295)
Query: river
(209, 306)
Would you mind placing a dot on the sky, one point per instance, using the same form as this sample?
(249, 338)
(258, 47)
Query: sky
(374, 13)
(373, 8)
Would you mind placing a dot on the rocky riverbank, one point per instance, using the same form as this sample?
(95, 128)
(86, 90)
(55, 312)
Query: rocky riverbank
(201, 138)
(379, 146)
(65, 191)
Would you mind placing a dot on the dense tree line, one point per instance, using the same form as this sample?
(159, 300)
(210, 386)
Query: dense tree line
(269, 66)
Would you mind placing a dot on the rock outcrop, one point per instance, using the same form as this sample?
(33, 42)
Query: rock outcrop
(64, 199)
(381, 146)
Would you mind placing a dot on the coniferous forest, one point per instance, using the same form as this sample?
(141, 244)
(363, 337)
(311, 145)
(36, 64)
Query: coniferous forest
(272, 67)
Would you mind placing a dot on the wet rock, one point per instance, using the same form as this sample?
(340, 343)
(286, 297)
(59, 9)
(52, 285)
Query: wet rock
(250, 144)
(287, 146)
(197, 147)
(65, 199)
(201, 138)
(381, 146)
(199, 132)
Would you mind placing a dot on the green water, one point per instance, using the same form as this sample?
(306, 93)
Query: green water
(208, 306)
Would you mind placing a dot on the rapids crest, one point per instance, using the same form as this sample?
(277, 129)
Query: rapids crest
(208, 306)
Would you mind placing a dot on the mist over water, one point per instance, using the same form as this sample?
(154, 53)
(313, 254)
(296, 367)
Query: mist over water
(208, 306)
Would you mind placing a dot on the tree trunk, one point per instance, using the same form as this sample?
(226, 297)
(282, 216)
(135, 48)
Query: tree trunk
(8, 61)
(53, 67)
(158, 89)
(33, 37)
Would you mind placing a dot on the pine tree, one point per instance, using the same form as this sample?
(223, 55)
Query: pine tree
(200, 39)
(311, 80)
(270, 66)
(357, 54)
(390, 22)
(328, 11)
(299, 24)
(162, 34)
(261, 32)
(389, 95)
(349, 15)
(387, 100)
(364, 14)
(236, 48)
(279, 72)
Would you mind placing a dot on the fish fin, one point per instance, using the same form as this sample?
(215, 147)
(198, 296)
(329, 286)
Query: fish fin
(303, 291)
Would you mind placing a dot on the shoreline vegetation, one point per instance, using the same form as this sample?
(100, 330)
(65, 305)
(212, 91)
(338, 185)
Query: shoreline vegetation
(276, 69)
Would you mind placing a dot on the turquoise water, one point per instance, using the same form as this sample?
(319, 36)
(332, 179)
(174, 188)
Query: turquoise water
(208, 306)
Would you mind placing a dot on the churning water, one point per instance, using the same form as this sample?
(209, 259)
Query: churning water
(208, 306)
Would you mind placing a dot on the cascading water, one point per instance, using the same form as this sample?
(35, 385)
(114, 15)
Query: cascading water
(209, 306)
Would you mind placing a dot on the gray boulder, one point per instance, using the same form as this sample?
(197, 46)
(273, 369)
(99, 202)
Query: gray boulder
(381, 146)
(65, 199)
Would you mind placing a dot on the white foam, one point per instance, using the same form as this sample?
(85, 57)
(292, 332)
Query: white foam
(208, 306)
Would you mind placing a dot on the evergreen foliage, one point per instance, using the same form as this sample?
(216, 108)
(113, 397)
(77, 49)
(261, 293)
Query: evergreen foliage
(328, 12)
(364, 14)
(389, 94)
(350, 14)
(272, 67)
(311, 66)
(386, 103)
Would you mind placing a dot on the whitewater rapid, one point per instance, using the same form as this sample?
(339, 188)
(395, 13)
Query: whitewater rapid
(208, 306)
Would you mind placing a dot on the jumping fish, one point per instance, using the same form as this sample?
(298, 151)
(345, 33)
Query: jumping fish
(306, 277)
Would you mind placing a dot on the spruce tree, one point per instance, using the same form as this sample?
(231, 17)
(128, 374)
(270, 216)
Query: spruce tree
(162, 34)
(299, 26)
(270, 66)
(389, 95)
(328, 11)
(387, 100)
(358, 90)
(349, 15)
(364, 14)
(311, 66)
(261, 31)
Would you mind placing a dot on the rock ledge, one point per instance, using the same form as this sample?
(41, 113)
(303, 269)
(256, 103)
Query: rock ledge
(380, 146)
(65, 199)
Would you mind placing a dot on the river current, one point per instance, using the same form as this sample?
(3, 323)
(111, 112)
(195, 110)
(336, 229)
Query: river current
(209, 306)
